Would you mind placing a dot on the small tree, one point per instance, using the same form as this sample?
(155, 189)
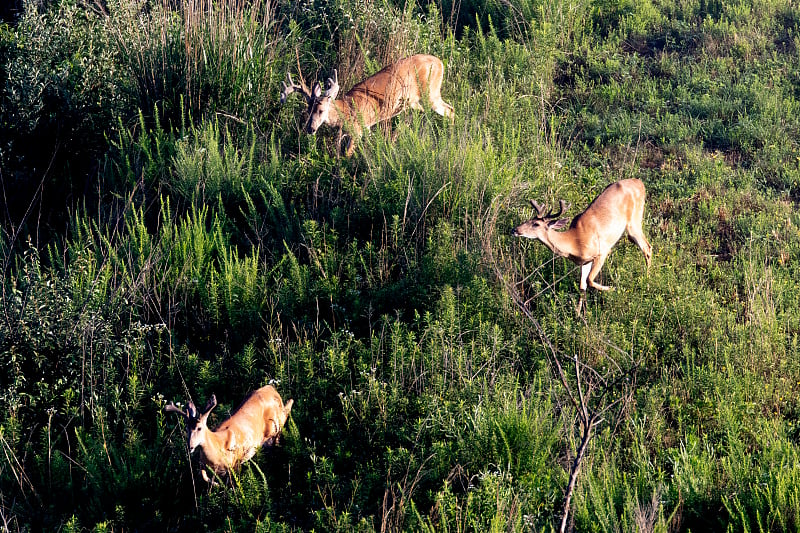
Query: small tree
(597, 395)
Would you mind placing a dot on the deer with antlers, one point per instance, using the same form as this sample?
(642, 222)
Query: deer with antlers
(592, 234)
(257, 422)
(380, 97)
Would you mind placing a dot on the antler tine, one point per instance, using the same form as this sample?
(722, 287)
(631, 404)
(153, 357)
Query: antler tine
(212, 403)
(563, 207)
(289, 87)
(540, 209)
(172, 408)
(306, 92)
(332, 85)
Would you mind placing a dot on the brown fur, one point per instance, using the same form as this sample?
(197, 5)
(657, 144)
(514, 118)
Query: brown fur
(592, 234)
(257, 422)
(383, 95)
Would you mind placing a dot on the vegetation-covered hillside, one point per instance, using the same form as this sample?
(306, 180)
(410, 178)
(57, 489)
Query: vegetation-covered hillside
(169, 231)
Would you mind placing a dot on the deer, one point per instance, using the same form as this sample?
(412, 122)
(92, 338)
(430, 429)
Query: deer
(257, 422)
(380, 97)
(593, 233)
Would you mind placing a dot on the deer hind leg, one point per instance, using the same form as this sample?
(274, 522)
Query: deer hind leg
(438, 104)
(441, 107)
(636, 235)
(274, 433)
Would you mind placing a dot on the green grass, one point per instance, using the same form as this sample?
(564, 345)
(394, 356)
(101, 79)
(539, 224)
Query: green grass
(168, 232)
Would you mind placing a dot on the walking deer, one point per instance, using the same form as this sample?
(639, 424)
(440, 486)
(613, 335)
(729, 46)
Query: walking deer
(592, 234)
(380, 97)
(257, 422)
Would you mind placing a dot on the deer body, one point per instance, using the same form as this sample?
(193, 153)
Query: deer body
(383, 95)
(257, 422)
(592, 234)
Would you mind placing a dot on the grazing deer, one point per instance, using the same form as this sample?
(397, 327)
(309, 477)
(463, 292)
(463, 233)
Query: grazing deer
(593, 233)
(380, 97)
(257, 422)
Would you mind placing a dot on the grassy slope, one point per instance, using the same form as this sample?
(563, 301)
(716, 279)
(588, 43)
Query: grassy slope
(207, 245)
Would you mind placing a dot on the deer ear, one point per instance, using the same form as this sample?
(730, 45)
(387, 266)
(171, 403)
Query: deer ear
(558, 224)
(316, 91)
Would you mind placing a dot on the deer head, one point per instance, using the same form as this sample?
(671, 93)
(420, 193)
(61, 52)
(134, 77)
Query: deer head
(538, 226)
(319, 110)
(196, 423)
(319, 103)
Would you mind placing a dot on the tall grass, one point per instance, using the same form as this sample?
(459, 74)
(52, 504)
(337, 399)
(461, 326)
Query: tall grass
(208, 56)
(170, 232)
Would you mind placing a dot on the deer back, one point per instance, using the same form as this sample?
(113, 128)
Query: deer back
(395, 88)
(260, 418)
(605, 220)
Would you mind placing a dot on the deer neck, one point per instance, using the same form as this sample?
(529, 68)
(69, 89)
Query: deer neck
(217, 449)
(562, 243)
(340, 110)
(353, 112)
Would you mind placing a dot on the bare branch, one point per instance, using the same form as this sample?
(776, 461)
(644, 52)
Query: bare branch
(594, 392)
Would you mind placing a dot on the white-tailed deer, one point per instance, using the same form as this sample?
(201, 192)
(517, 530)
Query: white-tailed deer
(380, 97)
(257, 422)
(593, 233)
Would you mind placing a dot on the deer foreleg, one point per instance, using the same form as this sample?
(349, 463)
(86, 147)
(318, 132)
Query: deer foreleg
(594, 270)
(585, 269)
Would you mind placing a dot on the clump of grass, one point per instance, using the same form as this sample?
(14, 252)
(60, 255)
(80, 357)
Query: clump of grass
(206, 56)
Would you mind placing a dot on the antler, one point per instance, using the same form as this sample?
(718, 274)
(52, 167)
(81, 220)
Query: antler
(172, 408)
(540, 209)
(563, 207)
(332, 86)
(212, 403)
(291, 87)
